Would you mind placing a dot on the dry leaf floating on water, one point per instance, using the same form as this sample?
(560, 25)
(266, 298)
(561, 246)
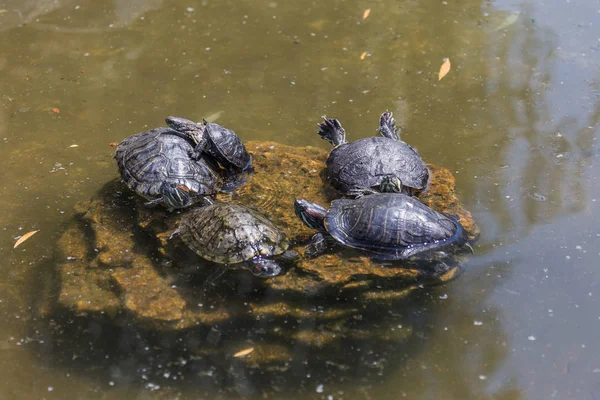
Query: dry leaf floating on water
(244, 352)
(363, 55)
(74, 145)
(56, 110)
(24, 238)
(444, 69)
(113, 144)
(366, 13)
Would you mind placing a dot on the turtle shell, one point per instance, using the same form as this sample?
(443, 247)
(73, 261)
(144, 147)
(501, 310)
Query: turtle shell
(228, 233)
(365, 162)
(391, 226)
(227, 147)
(148, 159)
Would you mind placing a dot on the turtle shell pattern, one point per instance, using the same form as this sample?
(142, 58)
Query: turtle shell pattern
(148, 159)
(392, 225)
(365, 162)
(228, 145)
(229, 233)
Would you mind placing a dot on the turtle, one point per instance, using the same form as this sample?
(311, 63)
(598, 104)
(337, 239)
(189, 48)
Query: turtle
(162, 166)
(384, 226)
(220, 143)
(227, 233)
(358, 168)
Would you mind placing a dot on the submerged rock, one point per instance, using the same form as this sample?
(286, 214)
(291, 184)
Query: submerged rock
(117, 260)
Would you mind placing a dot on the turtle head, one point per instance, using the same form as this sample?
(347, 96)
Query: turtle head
(191, 129)
(390, 184)
(175, 196)
(312, 214)
(264, 267)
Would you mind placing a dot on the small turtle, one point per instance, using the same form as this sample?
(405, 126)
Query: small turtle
(359, 167)
(220, 143)
(227, 233)
(162, 166)
(385, 226)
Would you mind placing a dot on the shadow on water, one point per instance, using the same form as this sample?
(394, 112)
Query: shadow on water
(119, 351)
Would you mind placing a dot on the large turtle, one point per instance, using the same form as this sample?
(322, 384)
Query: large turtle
(385, 226)
(162, 166)
(359, 167)
(227, 233)
(219, 142)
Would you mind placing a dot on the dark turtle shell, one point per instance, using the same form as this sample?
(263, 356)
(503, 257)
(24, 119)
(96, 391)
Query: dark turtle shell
(148, 159)
(227, 147)
(365, 162)
(391, 226)
(228, 233)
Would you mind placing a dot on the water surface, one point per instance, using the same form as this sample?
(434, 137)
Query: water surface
(516, 120)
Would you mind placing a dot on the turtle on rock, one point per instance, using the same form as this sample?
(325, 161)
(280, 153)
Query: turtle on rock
(384, 226)
(227, 233)
(163, 166)
(217, 142)
(358, 168)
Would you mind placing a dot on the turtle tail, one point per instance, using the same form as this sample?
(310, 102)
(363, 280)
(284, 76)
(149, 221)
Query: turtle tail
(387, 126)
(332, 131)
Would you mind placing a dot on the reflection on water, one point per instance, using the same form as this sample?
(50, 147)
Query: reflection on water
(515, 120)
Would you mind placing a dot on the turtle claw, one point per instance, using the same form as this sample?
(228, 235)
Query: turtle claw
(357, 193)
(387, 126)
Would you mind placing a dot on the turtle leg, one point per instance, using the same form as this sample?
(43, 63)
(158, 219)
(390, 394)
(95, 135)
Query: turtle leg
(358, 192)
(332, 131)
(200, 148)
(156, 202)
(263, 267)
(387, 126)
(319, 244)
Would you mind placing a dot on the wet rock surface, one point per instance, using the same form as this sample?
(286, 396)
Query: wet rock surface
(116, 261)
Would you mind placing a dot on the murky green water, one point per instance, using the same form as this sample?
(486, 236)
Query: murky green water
(516, 120)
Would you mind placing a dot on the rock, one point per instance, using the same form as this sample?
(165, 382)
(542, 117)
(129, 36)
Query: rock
(118, 260)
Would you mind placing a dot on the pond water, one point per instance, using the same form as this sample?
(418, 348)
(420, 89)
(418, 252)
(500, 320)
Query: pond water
(515, 120)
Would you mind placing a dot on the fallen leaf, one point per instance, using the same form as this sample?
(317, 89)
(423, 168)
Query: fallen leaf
(113, 144)
(244, 352)
(56, 110)
(363, 55)
(366, 13)
(74, 145)
(508, 21)
(444, 69)
(24, 238)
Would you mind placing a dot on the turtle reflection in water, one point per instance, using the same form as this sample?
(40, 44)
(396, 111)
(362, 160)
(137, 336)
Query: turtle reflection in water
(228, 233)
(385, 226)
(359, 168)
(162, 166)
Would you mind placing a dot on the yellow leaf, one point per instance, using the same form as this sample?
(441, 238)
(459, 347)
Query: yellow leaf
(363, 55)
(444, 69)
(74, 145)
(244, 352)
(25, 237)
(366, 13)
